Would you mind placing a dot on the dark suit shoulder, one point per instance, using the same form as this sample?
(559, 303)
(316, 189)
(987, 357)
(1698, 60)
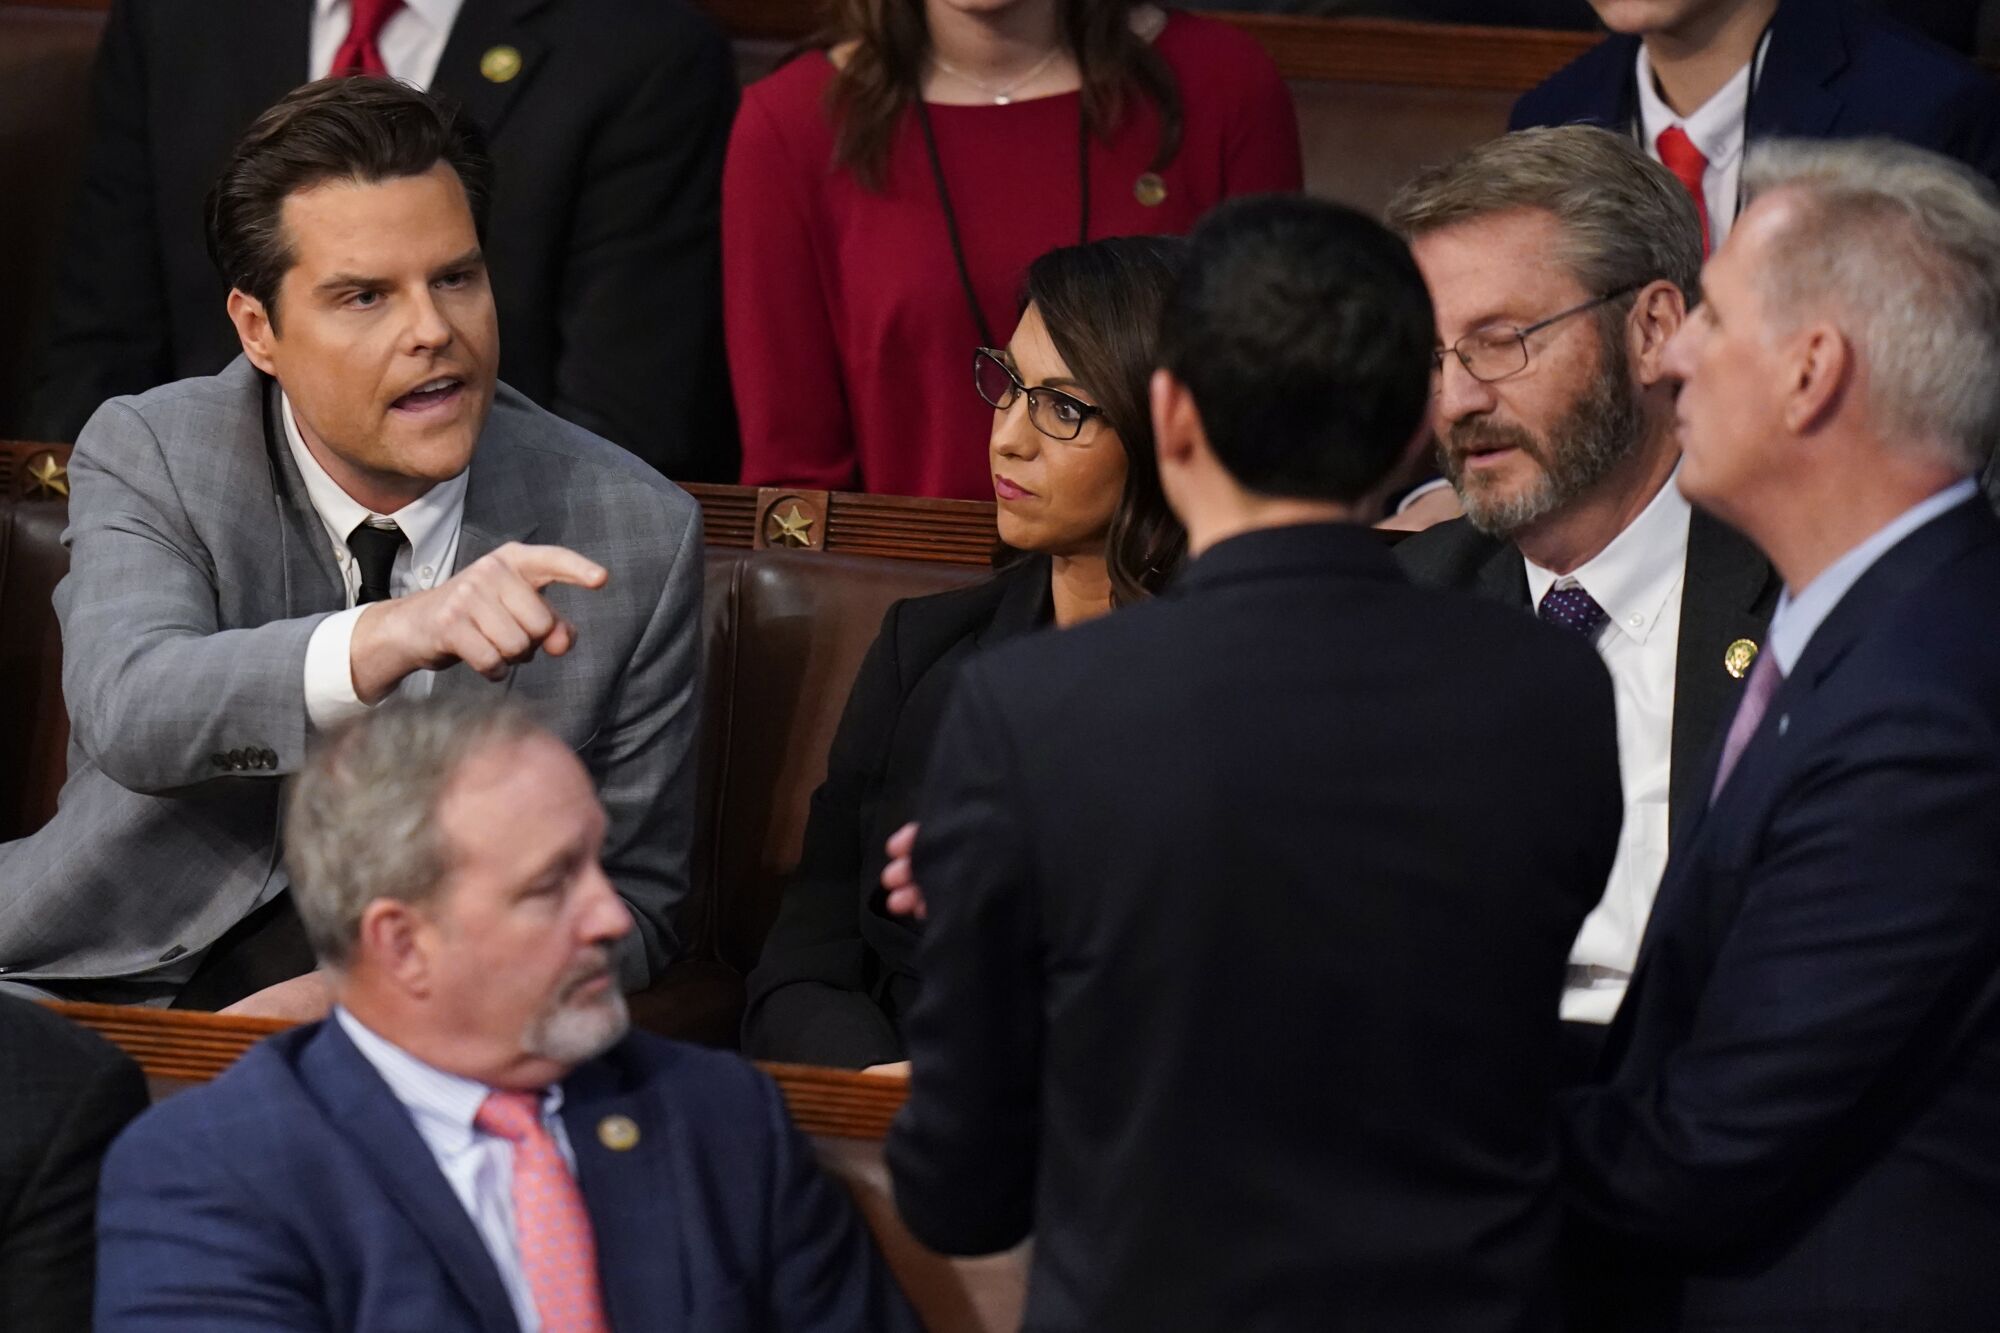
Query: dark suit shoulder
(1586, 89)
(46, 1063)
(1447, 555)
(921, 630)
(637, 29)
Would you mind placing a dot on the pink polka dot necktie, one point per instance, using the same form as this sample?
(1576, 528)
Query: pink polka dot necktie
(360, 52)
(1765, 678)
(1679, 155)
(551, 1226)
(1572, 608)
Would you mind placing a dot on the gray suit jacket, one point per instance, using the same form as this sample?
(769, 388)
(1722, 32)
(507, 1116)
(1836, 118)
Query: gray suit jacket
(198, 571)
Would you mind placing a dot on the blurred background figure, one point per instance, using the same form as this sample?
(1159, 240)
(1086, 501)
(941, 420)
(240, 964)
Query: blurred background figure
(885, 195)
(606, 121)
(64, 1095)
(1081, 514)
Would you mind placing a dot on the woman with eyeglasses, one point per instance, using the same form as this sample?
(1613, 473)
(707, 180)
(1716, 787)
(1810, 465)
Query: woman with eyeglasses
(884, 194)
(1070, 458)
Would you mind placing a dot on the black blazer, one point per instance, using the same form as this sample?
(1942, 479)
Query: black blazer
(603, 233)
(64, 1095)
(1249, 910)
(1835, 70)
(1729, 594)
(838, 972)
(1802, 1126)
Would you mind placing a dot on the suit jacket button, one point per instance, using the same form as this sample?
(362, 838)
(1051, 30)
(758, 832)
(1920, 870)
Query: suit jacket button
(270, 757)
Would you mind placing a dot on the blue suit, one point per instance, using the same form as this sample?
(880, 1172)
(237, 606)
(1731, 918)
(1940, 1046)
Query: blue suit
(1835, 70)
(294, 1192)
(1801, 1128)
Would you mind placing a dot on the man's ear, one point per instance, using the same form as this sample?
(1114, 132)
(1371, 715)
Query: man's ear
(253, 329)
(1818, 370)
(395, 939)
(1657, 315)
(1178, 435)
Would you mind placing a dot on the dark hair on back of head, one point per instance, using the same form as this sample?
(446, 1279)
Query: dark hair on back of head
(356, 129)
(1101, 304)
(1304, 333)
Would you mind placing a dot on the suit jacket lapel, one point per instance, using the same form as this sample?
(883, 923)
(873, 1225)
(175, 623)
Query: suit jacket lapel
(500, 507)
(272, 44)
(629, 1192)
(313, 583)
(1727, 595)
(360, 1107)
(463, 73)
(1504, 577)
(1809, 49)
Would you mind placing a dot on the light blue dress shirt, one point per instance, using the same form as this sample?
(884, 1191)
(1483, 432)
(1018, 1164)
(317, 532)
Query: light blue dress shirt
(478, 1166)
(1798, 617)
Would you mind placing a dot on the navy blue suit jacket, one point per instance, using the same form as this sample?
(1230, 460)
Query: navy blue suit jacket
(1801, 1127)
(295, 1192)
(1835, 70)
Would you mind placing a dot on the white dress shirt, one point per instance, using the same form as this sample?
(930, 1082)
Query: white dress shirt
(1639, 580)
(412, 41)
(430, 522)
(478, 1166)
(1716, 128)
(1798, 618)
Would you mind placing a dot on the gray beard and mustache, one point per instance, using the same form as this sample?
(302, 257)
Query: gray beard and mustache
(1601, 430)
(569, 1032)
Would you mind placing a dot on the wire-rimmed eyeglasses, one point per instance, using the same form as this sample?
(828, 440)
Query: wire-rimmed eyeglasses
(1058, 415)
(1495, 353)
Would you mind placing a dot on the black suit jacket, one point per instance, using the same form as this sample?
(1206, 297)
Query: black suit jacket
(1835, 70)
(64, 1095)
(838, 972)
(1802, 1127)
(1249, 909)
(603, 232)
(1729, 594)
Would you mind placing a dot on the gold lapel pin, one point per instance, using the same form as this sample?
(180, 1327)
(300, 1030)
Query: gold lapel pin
(500, 64)
(1150, 190)
(618, 1133)
(1736, 658)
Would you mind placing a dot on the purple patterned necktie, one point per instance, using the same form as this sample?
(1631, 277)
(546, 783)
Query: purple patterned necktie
(1765, 678)
(1572, 608)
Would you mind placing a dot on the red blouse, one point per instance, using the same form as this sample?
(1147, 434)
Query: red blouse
(850, 344)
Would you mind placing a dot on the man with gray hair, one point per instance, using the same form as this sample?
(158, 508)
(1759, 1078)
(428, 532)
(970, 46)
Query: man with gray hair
(1801, 1128)
(1560, 263)
(473, 1140)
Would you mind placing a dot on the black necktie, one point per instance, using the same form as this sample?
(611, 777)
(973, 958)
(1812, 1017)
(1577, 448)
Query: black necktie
(375, 552)
(1571, 608)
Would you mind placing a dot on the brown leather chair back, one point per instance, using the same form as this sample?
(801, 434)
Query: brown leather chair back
(34, 728)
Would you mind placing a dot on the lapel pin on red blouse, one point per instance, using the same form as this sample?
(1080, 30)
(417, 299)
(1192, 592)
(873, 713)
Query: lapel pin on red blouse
(1150, 190)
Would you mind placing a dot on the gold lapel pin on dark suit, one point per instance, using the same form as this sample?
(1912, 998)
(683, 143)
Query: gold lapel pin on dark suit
(1736, 658)
(500, 63)
(1150, 190)
(618, 1133)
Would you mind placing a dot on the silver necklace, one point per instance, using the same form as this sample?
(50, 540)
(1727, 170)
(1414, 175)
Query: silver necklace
(1001, 96)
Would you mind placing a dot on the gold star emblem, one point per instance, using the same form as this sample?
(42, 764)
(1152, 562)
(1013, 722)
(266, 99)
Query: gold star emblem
(793, 527)
(618, 1133)
(49, 476)
(1736, 659)
(500, 64)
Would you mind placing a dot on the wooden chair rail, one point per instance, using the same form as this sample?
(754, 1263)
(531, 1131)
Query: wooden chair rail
(193, 1047)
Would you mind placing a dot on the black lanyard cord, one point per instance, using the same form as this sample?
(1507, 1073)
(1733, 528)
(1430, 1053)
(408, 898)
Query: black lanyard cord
(951, 216)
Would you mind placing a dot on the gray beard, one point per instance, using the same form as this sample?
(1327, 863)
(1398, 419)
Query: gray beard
(568, 1033)
(1601, 430)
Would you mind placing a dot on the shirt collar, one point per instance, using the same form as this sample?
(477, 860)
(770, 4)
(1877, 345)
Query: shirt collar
(1716, 127)
(444, 1105)
(1634, 576)
(1797, 617)
(439, 15)
(430, 521)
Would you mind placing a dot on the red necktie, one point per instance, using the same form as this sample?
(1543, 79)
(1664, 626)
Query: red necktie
(1679, 155)
(551, 1225)
(359, 53)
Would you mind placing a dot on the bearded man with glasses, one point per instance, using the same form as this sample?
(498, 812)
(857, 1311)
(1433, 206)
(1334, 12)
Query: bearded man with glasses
(1560, 263)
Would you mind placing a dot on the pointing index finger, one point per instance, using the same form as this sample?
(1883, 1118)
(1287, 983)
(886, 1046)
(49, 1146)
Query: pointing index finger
(542, 565)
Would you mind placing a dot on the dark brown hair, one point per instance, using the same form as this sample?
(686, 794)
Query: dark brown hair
(885, 73)
(1101, 304)
(358, 129)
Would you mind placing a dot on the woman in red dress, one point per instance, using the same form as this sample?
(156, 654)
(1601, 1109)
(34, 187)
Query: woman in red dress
(885, 194)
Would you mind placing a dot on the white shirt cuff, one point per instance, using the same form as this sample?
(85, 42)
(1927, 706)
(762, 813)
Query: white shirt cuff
(330, 696)
(1419, 492)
